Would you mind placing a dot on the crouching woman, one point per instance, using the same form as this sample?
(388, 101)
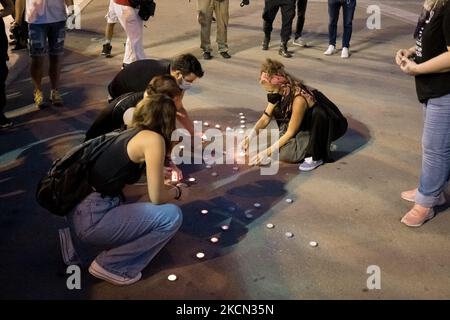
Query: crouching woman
(120, 239)
(308, 121)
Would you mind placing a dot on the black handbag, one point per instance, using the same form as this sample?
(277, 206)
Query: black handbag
(146, 8)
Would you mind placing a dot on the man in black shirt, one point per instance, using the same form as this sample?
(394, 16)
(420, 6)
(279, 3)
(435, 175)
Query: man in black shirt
(8, 8)
(136, 77)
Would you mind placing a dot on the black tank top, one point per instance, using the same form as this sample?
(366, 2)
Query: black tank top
(114, 168)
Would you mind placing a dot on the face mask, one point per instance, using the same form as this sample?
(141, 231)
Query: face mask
(185, 85)
(274, 98)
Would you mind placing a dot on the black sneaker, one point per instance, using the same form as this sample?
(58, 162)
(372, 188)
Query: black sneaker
(106, 52)
(284, 51)
(265, 44)
(225, 55)
(5, 122)
(207, 55)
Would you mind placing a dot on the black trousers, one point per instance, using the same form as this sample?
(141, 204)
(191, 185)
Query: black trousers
(271, 8)
(325, 124)
(316, 121)
(3, 76)
(301, 12)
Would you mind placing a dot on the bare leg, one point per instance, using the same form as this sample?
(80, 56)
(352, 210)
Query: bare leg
(36, 70)
(109, 32)
(55, 71)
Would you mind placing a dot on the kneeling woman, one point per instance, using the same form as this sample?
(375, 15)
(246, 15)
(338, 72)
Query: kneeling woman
(124, 238)
(307, 120)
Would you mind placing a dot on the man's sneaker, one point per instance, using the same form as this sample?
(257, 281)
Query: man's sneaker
(5, 122)
(106, 52)
(225, 55)
(283, 51)
(299, 42)
(309, 164)
(39, 99)
(207, 55)
(56, 99)
(265, 43)
(345, 53)
(97, 271)
(68, 252)
(330, 51)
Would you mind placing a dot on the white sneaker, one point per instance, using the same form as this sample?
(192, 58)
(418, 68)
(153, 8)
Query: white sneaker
(68, 252)
(345, 53)
(299, 42)
(330, 51)
(309, 164)
(97, 271)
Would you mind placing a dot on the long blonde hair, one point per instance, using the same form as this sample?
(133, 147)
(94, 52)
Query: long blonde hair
(430, 4)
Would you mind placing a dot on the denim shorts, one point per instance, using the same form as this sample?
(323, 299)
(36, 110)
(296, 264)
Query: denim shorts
(47, 38)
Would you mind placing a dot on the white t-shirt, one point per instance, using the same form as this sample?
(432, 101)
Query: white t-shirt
(45, 11)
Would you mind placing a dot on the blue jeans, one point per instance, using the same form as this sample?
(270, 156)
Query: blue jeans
(436, 151)
(123, 237)
(348, 7)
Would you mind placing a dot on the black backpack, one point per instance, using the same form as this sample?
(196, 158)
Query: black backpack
(67, 182)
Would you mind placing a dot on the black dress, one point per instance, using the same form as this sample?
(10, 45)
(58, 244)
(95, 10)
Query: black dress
(322, 124)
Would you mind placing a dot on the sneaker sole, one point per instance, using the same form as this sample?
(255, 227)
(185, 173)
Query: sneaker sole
(101, 276)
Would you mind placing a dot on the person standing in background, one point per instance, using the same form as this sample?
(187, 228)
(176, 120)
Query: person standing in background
(205, 10)
(271, 8)
(47, 31)
(8, 8)
(301, 12)
(133, 25)
(111, 20)
(348, 8)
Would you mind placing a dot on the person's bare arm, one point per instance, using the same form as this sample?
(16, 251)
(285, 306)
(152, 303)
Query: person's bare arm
(299, 108)
(154, 154)
(439, 64)
(185, 120)
(69, 3)
(8, 8)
